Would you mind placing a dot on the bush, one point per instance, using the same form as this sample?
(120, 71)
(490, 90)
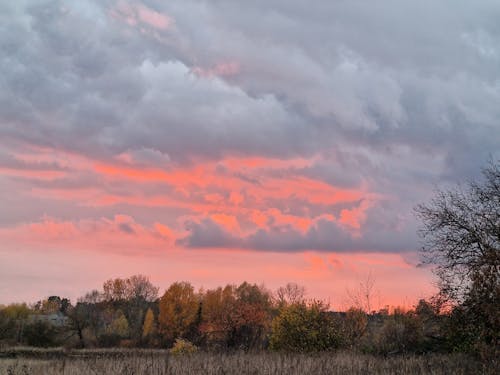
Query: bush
(304, 328)
(109, 340)
(182, 346)
(41, 334)
(400, 333)
(353, 326)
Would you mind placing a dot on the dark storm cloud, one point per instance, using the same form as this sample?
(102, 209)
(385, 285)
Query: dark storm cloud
(383, 232)
(208, 234)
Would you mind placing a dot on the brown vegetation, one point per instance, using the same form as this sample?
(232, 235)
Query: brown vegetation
(154, 362)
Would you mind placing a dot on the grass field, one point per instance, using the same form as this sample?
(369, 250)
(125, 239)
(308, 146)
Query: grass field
(158, 362)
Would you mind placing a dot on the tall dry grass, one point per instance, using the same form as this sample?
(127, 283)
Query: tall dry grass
(125, 362)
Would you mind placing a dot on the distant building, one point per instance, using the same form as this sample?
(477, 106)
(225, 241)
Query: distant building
(57, 319)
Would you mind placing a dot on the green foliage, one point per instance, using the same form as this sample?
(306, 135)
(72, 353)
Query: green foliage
(304, 327)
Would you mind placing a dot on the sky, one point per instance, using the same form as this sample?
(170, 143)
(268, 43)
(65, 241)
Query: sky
(217, 141)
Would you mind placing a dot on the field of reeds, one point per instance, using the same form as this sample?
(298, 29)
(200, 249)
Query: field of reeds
(24, 361)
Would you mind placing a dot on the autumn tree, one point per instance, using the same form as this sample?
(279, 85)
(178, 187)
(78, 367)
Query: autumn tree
(236, 316)
(461, 239)
(149, 328)
(138, 287)
(114, 289)
(133, 296)
(85, 316)
(217, 314)
(179, 308)
(53, 304)
(13, 320)
(252, 316)
(119, 326)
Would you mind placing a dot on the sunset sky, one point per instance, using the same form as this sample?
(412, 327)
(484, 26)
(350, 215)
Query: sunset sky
(217, 141)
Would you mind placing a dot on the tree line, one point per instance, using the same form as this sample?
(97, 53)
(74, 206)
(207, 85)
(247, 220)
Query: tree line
(130, 313)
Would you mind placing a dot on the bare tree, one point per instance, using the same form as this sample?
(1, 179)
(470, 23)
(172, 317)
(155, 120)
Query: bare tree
(461, 234)
(289, 294)
(139, 287)
(362, 296)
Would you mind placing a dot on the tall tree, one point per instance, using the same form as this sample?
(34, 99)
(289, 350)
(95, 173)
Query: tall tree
(178, 310)
(236, 316)
(133, 296)
(461, 234)
(115, 289)
(139, 287)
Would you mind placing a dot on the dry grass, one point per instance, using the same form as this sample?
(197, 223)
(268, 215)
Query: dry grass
(157, 362)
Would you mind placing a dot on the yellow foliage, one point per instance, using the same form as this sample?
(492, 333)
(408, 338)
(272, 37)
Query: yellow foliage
(178, 310)
(119, 326)
(183, 347)
(149, 326)
(17, 311)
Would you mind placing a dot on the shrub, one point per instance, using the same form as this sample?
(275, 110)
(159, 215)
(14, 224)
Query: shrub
(40, 334)
(304, 328)
(354, 326)
(182, 346)
(109, 340)
(400, 333)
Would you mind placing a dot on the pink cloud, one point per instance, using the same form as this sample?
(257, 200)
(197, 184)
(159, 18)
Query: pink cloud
(241, 195)
(229, 222)
(139, 14)
(153, 18)
(118, 234)
(221, 69)
(353, 218)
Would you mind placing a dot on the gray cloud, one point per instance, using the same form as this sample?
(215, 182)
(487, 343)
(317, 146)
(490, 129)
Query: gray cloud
(207, 233)
(400, 96)
(383, 231)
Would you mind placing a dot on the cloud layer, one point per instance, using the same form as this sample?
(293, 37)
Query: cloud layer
(266, 126)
